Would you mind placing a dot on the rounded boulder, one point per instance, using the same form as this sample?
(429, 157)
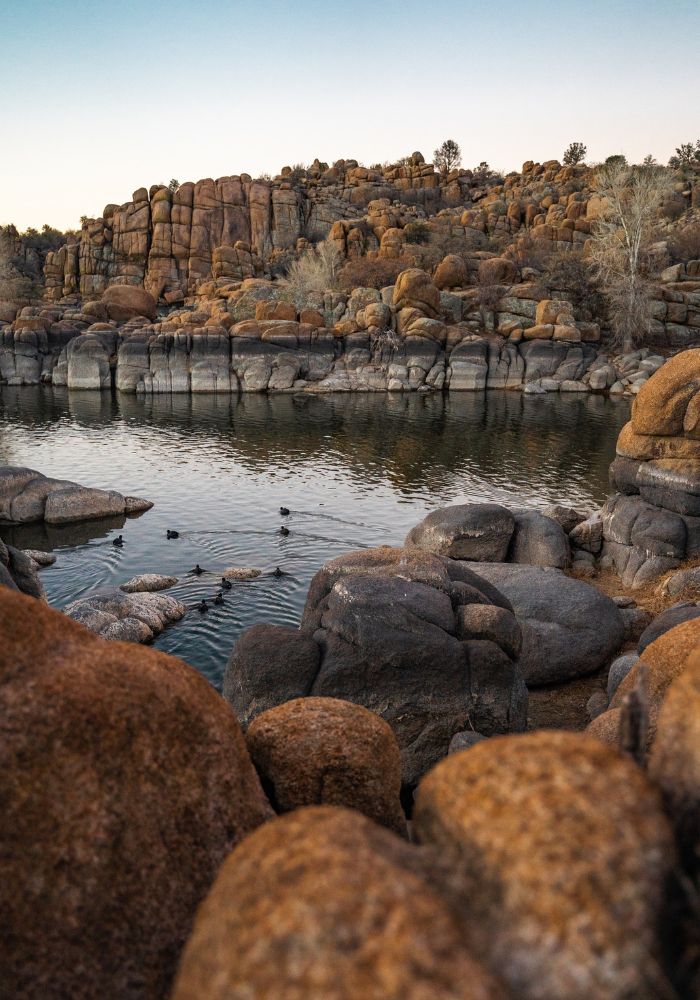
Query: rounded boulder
(323, 751)
(323, 904)
(125, 302)
(125, 782)
(563, 850)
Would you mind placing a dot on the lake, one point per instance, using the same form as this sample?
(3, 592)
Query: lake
(354, 470)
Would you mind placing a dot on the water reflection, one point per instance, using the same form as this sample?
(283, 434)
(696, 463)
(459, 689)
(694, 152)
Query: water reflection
(354, 469)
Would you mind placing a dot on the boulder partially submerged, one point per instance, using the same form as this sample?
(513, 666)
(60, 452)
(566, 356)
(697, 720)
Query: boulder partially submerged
(27, 496)
(130, 617)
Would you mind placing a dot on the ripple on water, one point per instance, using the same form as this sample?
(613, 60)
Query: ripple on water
(354, 471)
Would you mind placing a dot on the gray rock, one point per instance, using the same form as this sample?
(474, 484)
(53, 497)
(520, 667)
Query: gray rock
(636, 620)
(478, 531)
(588, 535)
(538, 541)
(596, 705)
(27, 496)
(40, 558)
(566, 517)
(569, 628)
(148, 583)
(665, 622)
(241, 573)
(464, 740)
(684, 579)
(114, 615)
(619, 669)
(19, 572)
(384, 628)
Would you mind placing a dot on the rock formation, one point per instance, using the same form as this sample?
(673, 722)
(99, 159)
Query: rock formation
(128, 617)
(27, 496)
(398, 631)
(653, 523)
(125, 782)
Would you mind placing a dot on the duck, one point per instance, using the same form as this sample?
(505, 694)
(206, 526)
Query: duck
(284, 531)
(219, 599)
(284, 511)
(118, 541)
(172, 534)
(277, 571)
(202, 607)
(198, 570)
(226, 584)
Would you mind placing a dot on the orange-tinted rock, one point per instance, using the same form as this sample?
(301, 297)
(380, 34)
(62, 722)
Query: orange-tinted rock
(323, 751)
(124, 781)
(564, 850)
(660, 664)
(414, 289)
(497, 271)
(124, 302)
(669, 403)
(275, 310)
(451, 272)
(323, 904)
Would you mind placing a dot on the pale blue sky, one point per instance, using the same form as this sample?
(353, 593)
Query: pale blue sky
(99, 98)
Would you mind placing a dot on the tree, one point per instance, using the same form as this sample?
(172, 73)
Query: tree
(686, 155)
(173, 185)
(621, 255)
(575, 153)
(615, 159)
(448, 156)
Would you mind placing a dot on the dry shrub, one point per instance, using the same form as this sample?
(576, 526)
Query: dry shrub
(569, 271)
(317, 270)
(372, 272)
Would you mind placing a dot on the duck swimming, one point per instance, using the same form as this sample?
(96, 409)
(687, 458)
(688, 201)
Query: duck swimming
(118, 541)
(219, 599)
(202, 607)
(284, 511)
(226, 584)
(277, 571)
(172, 534)
(284, 531)
(198, 570)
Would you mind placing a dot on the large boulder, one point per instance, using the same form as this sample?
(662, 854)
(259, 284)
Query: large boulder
(414, 289)
(475, 531)
(569, 628)
(323, 751)
(392, 629)
(539, 541)
(124, 782)
(665, 621)
(125, 302)
(27, 496)
(564, 851)
(20, 572)
(323, 904)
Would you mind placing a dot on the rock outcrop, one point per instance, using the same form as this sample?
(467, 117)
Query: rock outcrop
(421, 640)
(19, 571)
(563, 848)
(27, 496)
(125, 782)
(326, 905)
(653, 523)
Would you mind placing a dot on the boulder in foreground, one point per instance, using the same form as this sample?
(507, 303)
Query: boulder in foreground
(564, 851)
(323, 904)
(125, 782)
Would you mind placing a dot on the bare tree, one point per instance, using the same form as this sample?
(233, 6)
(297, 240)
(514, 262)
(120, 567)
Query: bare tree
(448, 156)
(314, 272)
(621, 255)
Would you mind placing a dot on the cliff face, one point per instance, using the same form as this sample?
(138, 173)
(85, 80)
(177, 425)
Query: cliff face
(168, 241)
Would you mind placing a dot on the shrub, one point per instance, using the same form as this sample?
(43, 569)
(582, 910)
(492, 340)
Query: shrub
(673, 206)
(371, 272)
(448, 156)
(569, 271)
(416, 232)
(315, 271)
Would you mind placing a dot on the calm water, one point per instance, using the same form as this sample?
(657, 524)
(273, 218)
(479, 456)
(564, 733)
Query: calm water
(355, 471)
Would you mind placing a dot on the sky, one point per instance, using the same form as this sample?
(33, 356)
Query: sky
(99, 98)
